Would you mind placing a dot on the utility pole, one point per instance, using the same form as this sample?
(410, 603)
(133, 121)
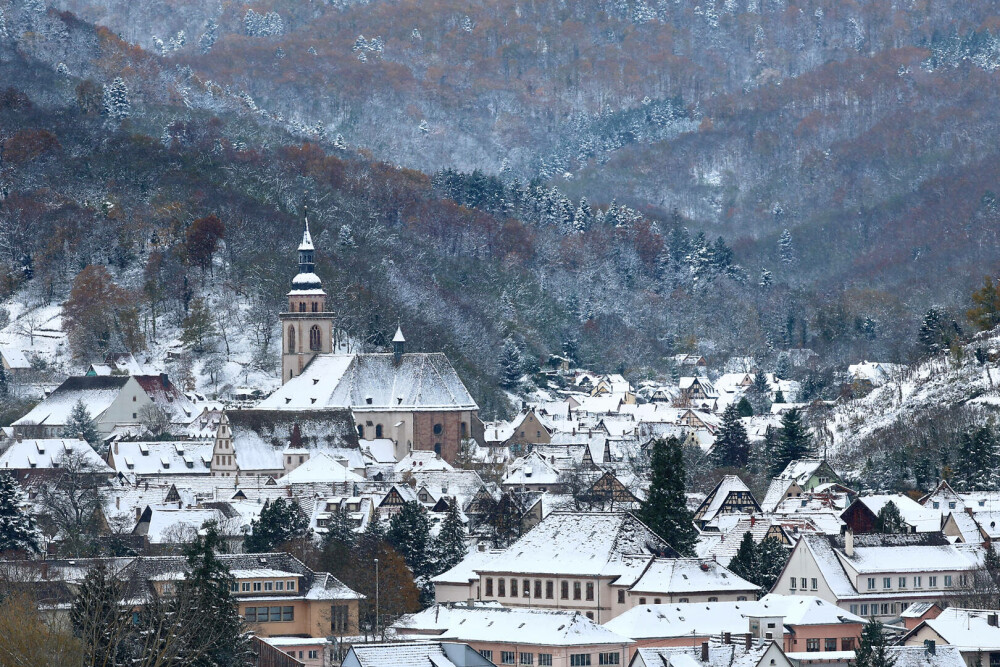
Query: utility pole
(376, 598)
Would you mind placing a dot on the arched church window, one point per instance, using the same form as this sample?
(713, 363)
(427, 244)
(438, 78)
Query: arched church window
(302, 307)
(314, 338)
(291, 340)
(315, 306)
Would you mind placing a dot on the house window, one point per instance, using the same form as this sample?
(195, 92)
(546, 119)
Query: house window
(548, 590)
(361, 431)
(291, 340)
(234, 587)
(314, 338)
(814, 582)
(576, 590)
(256, 587)
(545, 660)
(937, 505)
(830, 644)
(290, 585)
(313, 655)
(657, 600)
(501, 588)
(513, 588)
(590, 590)
(812, 644)
(506, 657)
(590, 615)
(245, 587)
(712, 599)
(963, 580)
(951, 505)
(864, 610)
(871, 583)
(621, 596)
(642, 600)
(802, 583)
(437, 429)
(527, 659)
(538, 588)
(564, 590)
(994, 659)
(268, 585)
(579, 660)
(847, 643)
(886, 582)
(917, 582)
(609, 659)
(932, 582)
(902, 582)
(525, 588)
(486, 653)
(791, 583)
(741, 598)
(287, 613)
(489, 586)
(338, 619)
(302, 307)
(378, 430)
(947, 581)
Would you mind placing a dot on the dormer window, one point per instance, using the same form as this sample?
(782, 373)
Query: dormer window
(368, 400)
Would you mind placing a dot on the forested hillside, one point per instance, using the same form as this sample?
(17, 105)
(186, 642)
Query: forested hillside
(618, 181)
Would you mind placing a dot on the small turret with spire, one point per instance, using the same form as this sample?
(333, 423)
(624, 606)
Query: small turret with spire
(398, 345)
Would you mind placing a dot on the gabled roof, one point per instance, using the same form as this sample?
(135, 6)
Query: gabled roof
(689, 575)
(374, 382)
(714, 502)
(414, 654)
(51, 453)
(162, 457)
(96, 392)
(168, 397)
(321, 468)
(800, 470)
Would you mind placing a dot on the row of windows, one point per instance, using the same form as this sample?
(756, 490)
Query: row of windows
(830, 644)
(932, 582)
(804, 582)
(269, 614)
(545, 659)
(525, 590)
(313, 655)
(262, 586)
(883, 609)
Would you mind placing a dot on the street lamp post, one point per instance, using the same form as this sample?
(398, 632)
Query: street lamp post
(376, 598)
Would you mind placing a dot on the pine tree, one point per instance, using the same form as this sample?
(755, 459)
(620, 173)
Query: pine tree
(450, 546)
(511, 364)
(977, 460)
(81, 425)
(345, 237)
(207, 593)
(744, 563)
(280, 521)
(116, 100)
(785, 248)
(744, 408)
(4, 386)
(664, 509)
(17, 527)
(732, 446)
(794, 441)
(198, 330)
(759, 394)
(937, 332)
(410, 534)
(889, 521)
(871, 651)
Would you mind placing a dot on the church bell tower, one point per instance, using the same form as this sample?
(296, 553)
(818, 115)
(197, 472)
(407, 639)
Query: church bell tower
(306, 328)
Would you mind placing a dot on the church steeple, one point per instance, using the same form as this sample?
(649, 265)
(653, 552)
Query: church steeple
(306, 328)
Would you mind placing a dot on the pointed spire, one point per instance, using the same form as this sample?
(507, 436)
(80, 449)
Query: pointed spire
(307, 242)
(398, 338)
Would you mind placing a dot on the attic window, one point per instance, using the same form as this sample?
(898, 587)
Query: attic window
(179, 448)
(164, 462)
(144, 450)
(287, 401)
(129, 463)
(399, 400)
(40, 447)
(368, 400)
(315, 380)
(312, 400)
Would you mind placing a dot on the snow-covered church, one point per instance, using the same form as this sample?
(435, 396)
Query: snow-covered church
(416, 401)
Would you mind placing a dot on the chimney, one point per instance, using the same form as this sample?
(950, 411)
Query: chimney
(704, 651)
(727, 638)
(849, 543)
(930, 646)
(748, 641)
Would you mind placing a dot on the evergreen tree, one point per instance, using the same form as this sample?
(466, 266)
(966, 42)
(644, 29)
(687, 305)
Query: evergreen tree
(17, 527)
(889, 521)
(4, 387)
(198, 330)
(744, 563)
(207, 593)
(665, 508)
(794, 441)
(99, 619)
(80, 425)
(116, 101)
(744, 408)
(345, 237)
(280, 521)
(976, 463)
(871, 651)
(785, 247)
(511, 364)
(410, 534)
(450, 546)
(732, 446)
(759, 394)
(937, 332)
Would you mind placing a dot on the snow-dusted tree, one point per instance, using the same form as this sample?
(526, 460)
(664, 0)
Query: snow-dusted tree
(17, 527)
(584, 216)
(732, 446)
(511, 364)
(794, 440)
(766, 279)
(889, 521)
(642, 13)
(450, 544)
(785, 247)
(467, 24)
(345, 237)
(116, 100)
(759, 394)
(198, 329)
(210, 36)
(339, 143)
(665, 509)
(280, 522)
(410, 534)
(415, 35)
(937, 331)
(81, 424)
(871, 650)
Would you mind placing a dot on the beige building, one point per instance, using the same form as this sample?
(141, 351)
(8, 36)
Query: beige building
(111, 401)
